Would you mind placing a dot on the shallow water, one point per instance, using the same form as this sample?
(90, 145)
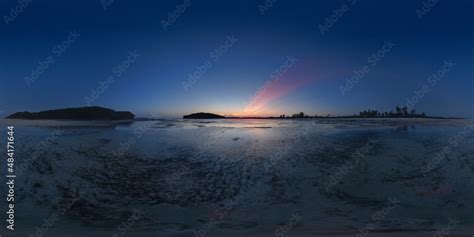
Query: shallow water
(236, 176)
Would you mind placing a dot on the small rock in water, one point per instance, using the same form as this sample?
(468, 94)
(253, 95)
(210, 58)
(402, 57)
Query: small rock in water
(236, 138)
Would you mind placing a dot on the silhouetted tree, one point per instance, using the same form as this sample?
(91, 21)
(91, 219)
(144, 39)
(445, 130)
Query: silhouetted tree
(299, 115)
(405, 111)
(374, 114)
(399, 111)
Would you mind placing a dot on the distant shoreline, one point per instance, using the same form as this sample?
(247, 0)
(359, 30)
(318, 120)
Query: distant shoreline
(339, 117)
(96, 113)
(398, 112)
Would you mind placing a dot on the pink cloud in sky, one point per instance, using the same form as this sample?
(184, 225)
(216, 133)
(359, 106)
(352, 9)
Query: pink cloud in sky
(298, 76)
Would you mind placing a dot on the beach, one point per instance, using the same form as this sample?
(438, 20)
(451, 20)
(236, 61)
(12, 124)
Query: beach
(224, 177)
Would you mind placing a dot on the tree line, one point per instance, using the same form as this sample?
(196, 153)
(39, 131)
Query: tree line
(399, 112)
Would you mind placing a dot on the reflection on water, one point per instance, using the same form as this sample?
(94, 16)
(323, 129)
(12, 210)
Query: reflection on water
(261, 171)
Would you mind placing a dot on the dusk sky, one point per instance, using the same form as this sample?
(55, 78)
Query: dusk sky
(282, 58)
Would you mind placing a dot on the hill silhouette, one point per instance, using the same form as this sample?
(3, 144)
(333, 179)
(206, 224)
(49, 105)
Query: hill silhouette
(202, 115)
(81, 113)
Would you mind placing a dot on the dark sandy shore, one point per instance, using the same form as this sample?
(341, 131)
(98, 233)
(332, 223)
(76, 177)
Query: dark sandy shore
(180, 175)
(289, 234)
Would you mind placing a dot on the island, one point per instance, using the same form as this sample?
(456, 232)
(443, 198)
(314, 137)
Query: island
(202, 115)
(81, 113)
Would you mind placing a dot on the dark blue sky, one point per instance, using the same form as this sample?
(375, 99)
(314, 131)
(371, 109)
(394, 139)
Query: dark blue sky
(156, 62)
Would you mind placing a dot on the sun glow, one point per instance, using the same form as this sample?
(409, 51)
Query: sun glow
(277, 88)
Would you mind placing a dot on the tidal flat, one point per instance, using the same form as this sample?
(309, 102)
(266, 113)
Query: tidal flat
(244, 177)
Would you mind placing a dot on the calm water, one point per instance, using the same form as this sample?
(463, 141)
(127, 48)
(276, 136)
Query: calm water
(242, 176)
